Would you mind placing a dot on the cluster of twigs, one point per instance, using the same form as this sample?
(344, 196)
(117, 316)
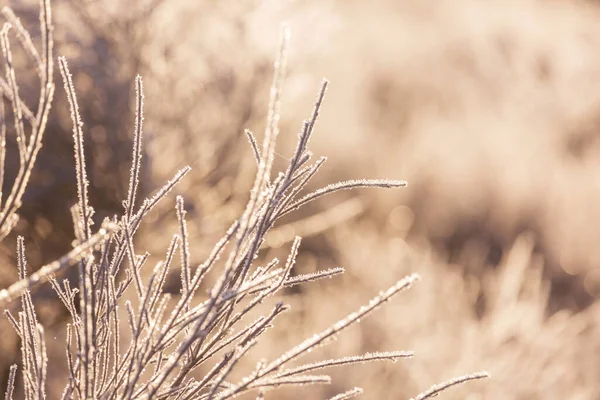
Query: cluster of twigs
(24, 117)
(171, 336)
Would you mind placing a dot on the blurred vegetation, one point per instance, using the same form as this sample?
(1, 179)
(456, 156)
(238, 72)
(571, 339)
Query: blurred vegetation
(489, 109)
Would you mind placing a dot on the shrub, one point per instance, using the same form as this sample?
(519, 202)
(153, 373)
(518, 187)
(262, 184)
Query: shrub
(171, 336)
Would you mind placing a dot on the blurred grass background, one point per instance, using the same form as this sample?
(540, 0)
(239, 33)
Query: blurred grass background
(491, 111)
